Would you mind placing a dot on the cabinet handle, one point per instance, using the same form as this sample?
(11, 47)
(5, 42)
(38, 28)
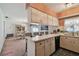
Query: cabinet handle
(40, 43)
(47, 40)
(65, 37)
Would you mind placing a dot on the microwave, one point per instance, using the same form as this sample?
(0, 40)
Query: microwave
(44, 27)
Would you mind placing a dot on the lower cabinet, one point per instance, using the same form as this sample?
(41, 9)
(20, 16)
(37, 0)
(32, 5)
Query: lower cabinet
(40, 48)
(45, 47)
(52, 45)
(70, 43)
(76, 49)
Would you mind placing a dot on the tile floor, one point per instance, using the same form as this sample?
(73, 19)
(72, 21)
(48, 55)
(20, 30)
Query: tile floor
(14, 48)
(63, 52)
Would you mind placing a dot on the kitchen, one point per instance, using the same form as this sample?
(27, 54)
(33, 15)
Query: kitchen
(36, 29)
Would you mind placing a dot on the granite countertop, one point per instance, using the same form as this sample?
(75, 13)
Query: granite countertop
(36, 38)
(70, 36)
(43, 37)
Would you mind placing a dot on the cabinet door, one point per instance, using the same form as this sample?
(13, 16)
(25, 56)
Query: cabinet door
(69, 43)
(55, 21)
(35, 15)
(62, 42)
(39, 48)
(44, 20)
(52, 45)
(76, 45)
(47, 47)
(66, 42)
(50, 20)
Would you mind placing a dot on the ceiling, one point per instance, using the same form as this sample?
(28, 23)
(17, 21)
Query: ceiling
(17, 10)
(60, 6)
(14, 10)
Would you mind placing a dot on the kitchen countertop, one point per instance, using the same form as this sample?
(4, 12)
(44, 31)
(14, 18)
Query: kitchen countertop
(43, 37)
(70, 36)
(37, 38)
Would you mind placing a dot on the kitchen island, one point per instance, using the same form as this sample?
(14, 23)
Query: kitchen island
(41, 45)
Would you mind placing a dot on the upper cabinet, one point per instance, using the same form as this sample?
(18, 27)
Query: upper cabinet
(55, 21)
(44, 19)
(35, 16)
(40, 17)
(50, 20)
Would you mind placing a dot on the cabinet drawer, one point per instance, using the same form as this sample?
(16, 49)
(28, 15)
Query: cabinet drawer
(47, 41)
(40, 43)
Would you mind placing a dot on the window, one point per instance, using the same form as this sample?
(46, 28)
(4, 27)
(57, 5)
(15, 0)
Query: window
(35, 28)
(71, 25)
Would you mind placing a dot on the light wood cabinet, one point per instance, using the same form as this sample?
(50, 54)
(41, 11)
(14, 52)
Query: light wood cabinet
(62, 41)
(47, 47)
(70, 43)
(40, 48)
(50, 20)
(44, 19)
(38, 17)
(76, 44)
(66, 42)
(55, 21)
(52, 45)
(35, 16)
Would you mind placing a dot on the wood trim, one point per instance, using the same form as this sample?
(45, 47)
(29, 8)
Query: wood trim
(69, 16)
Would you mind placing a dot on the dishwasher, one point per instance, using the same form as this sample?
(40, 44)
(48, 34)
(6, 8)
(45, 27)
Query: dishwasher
(57, 42)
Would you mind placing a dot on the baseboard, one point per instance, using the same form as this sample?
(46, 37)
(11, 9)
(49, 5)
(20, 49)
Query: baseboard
(52, 53)
(70, 50)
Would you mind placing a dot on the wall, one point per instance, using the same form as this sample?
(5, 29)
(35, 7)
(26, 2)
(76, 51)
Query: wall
(17, 14)
(61, 22)
(1, 30)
